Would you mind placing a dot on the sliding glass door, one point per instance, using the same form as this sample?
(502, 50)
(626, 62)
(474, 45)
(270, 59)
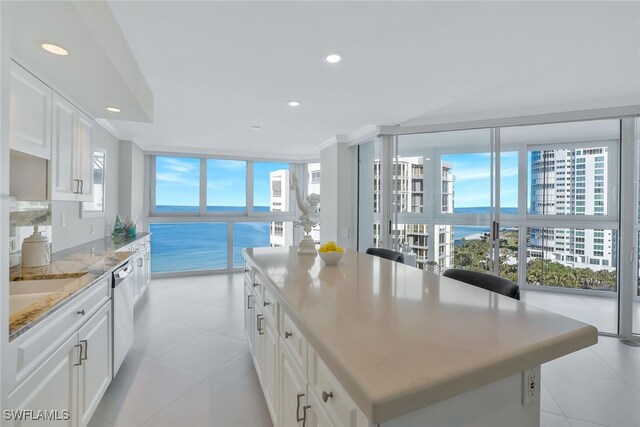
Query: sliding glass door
(535, 204)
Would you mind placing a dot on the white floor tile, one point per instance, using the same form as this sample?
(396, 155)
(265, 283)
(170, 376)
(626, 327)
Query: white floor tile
(206, 353)
(584, 361)
(205, 317)
(142, 388)
(580, 423)
(214, 403)
(547, 402)
(625, 363)
(165, 337)
(239, 372)
(146, 317)
(232, 326)
(595, 400)
(553, 420)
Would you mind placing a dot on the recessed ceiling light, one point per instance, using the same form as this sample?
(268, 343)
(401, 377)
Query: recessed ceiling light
(293, 103)
(333, 58)
(255, 127)
(56, 50)
(113, 109)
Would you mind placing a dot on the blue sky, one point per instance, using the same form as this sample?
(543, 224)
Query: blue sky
(178, 180)
(472, 185)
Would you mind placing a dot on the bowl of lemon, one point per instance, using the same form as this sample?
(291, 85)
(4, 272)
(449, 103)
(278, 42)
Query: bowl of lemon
(331, 253)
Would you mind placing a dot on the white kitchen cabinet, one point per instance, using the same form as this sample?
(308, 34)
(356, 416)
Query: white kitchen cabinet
(72, 152)
(85, 128)
(76, 374)
(270, 368)
(293, 392)
(317, 416)
(29, 113)
(53, 386)
(95, 371)
(64, 183)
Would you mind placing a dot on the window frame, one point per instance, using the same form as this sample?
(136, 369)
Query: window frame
(88, 213)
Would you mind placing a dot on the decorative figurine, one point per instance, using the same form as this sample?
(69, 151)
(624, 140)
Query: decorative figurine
(308, 208)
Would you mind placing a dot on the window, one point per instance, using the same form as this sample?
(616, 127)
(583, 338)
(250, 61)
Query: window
(177, 184)
(190, 246)
(96, 207)
(226, 185)
(271, 187)
(233, 211)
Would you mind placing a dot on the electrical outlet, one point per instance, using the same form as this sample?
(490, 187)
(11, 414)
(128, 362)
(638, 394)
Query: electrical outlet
(63, 219)
(92, 229)
(530, 384)
(13, 244)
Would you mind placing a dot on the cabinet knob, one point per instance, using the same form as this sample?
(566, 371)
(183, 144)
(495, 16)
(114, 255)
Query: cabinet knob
(326, 396)
(266, 303)
(287, 334)
(81, 312)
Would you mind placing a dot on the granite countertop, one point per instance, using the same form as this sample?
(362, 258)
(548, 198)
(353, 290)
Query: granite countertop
(400, 339)
(87, 263)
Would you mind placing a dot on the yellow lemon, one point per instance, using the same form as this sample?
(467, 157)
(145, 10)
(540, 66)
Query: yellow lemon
(339, 249)
(331, 245)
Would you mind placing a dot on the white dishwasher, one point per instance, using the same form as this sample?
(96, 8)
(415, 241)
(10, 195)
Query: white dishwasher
(122, 301)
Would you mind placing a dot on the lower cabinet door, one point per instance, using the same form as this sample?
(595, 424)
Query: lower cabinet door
(317, 416)
(258, 334)
(293, 392)
(96, 369)
(270, 369)
(50, 392)
(249, 316)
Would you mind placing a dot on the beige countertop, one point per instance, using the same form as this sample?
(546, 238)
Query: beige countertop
(86, 264)
(399, 338)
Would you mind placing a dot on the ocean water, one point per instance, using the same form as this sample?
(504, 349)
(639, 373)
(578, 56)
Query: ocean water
(203, 245)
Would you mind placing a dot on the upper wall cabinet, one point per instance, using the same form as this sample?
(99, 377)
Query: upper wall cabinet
(71, 172)
(29, 113)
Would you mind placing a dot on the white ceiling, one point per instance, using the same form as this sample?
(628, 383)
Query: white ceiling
(217, 68)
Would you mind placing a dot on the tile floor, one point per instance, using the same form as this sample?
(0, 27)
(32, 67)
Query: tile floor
(190, 366)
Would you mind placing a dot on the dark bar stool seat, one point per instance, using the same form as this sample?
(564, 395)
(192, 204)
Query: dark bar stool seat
(386, 254)
(486, 281)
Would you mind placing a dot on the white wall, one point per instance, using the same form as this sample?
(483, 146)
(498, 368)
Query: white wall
(131, 197)
(79, 230)
(338, 195)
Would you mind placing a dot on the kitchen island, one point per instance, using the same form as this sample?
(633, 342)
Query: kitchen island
(370, 341)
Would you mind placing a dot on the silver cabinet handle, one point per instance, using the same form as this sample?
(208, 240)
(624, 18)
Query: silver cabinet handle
(76, 182)
(82, 186)
(266, 303)
(147, 256)
(256, 284)
(259, 318)
(326, 396)
(249, 299)
(79, 355)
(302, 418)
(287, 334)
(140, 262)
(80, 312)
(84, 345)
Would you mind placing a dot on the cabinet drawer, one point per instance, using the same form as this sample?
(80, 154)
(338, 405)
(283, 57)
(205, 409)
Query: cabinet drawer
(293, 339)
(333, 398)
(270, 304)
(28, 351)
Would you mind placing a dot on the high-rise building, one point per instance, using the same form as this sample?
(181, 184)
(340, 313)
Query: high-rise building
(571, 182)
(409, 179)
(281, 232)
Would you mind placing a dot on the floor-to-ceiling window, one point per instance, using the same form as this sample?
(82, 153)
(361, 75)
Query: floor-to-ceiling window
(203, 211)
(536, 204)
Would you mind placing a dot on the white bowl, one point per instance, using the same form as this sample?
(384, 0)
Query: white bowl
(331, 258)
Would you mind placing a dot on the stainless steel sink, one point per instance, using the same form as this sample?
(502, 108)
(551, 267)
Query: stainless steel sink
(25, 292)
